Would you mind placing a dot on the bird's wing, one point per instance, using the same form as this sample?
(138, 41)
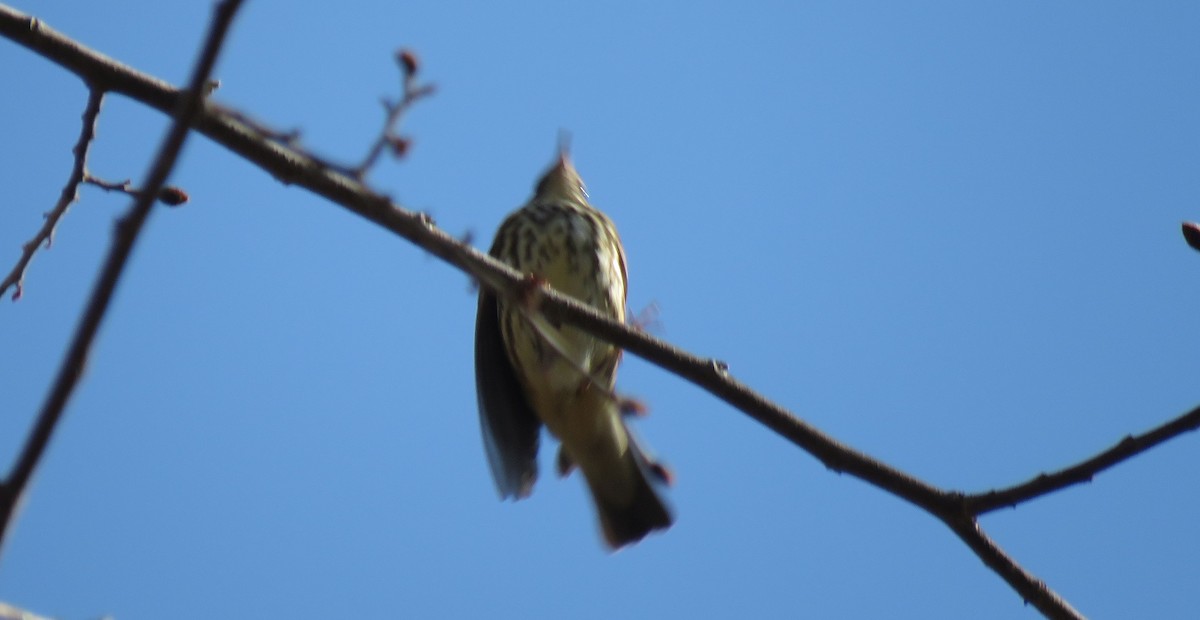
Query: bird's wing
(510, 428)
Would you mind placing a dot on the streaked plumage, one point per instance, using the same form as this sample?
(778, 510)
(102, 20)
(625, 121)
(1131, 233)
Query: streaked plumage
(523, 381)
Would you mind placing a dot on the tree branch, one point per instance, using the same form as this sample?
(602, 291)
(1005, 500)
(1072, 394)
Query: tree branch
(411, 93)
(169, 195)
(70, 193)
(295, 166)
(275, 152)
(1033, 590)
(292, 165)
(1127, 448)
(128, 227)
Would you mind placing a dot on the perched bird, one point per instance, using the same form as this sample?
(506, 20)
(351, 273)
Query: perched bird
(530, 372)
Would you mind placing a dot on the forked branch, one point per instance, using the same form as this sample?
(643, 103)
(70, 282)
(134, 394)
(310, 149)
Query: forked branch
(284, 160)
(189, 105)
(69, 194)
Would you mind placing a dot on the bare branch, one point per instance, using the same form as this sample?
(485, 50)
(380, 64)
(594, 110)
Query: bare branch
(388, 136)
(1033, 590)
(125, 187)
(1127, 448)
(70, 193)
(127, 230)
(169, 195)
(292, 165)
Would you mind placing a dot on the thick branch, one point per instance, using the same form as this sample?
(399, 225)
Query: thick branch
(126, 235)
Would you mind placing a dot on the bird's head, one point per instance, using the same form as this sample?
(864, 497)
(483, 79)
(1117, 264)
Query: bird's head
(561, 181)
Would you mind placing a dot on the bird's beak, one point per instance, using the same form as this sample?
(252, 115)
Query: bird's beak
(563, 166)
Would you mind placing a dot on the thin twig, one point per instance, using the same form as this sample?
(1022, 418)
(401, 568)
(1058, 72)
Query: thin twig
(169, 195)
(1127, 448)
(70, 193)
(393, 112)
(124, 187)
(127, 230)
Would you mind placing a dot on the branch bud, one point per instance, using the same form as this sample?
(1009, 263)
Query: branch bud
(1191, 233)
(172, 196)
(408, 62)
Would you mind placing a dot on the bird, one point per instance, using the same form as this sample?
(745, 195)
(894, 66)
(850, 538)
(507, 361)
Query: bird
(531, 372)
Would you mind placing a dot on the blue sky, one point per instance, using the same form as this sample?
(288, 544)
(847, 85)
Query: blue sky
(946, 234)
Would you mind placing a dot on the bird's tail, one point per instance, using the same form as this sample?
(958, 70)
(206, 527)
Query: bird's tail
(630, 517)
